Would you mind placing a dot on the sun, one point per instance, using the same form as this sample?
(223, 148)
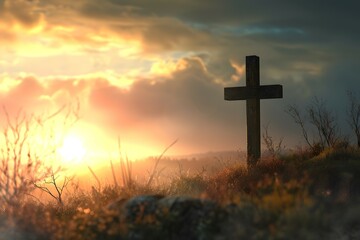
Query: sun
(72, 150)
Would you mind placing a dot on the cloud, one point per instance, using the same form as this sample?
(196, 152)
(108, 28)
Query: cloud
(24, 94)
(20, 12)
(6, 36)
(189, 25)
(187, 104)
(163, 64)
(252, 17)
(17, 16)
(112, 21)
(158, 96)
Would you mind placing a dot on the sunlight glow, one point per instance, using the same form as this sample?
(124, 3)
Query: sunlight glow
(164, 68)
(72, 151)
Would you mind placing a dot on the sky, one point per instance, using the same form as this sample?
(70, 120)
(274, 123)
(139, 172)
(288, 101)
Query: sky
(152, 71)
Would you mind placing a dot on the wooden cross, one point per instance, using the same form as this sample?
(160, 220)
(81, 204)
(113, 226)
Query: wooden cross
(252, 93)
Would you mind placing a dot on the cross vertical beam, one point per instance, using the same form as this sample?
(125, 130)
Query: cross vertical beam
(252, 93)
(253, 110)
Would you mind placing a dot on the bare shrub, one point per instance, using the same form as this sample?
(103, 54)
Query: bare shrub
(325, 123)
(54, 187)
(21, 165)
(322, 121)
(273, 148)
(354, 115)
(295, 113)
(28, 146)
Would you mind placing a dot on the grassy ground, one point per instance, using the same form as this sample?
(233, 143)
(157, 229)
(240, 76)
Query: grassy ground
(297, 196)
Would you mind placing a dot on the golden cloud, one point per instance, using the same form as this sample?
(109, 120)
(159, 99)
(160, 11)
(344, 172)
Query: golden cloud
(20, 15)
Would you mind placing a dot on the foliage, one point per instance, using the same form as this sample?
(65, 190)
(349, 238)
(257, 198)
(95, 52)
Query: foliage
(188, 185)
(295, 196)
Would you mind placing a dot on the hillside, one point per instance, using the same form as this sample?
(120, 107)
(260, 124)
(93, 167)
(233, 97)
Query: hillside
(298, 196)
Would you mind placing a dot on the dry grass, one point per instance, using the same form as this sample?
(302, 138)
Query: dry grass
(294, 197)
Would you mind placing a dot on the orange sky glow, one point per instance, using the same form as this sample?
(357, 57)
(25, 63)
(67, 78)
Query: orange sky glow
(152, 73)
(52, 57)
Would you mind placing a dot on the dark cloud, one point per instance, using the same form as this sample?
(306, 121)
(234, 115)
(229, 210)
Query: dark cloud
(185, 91)
(188, 105)
(22, 12)
(279, 14)
(16, 17)
(219, 26)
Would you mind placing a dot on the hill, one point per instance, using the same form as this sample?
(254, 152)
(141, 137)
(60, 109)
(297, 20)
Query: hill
(298, 196)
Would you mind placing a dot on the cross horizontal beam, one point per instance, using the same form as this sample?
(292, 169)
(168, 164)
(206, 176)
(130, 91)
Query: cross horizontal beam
(261, 92)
